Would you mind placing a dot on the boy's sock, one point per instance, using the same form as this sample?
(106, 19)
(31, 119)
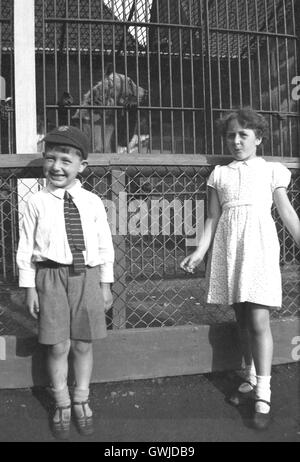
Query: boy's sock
(80, 396)
(250, 376)
(263, 391)
(61, 397)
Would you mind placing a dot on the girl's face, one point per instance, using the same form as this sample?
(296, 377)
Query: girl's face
(241, 142)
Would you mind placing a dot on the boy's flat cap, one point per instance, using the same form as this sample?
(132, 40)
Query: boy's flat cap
(69, 136)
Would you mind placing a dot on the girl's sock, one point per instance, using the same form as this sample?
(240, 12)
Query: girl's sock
(263, 391)
(250, 376)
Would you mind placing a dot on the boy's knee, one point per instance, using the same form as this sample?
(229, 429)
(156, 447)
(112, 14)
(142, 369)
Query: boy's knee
(60, 349)
(81, 347)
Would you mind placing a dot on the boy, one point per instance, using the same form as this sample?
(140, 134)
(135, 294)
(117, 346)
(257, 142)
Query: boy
(67, 273)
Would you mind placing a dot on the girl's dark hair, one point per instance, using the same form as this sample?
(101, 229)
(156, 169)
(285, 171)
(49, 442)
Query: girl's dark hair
(247, 118)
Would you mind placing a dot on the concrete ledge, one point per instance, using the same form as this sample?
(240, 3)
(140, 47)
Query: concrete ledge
(148, 353)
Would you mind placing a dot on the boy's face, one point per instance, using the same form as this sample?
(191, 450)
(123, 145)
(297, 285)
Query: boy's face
(62, 165)
(241, 142)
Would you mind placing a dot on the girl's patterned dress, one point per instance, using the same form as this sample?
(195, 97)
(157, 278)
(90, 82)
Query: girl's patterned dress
(244, 259)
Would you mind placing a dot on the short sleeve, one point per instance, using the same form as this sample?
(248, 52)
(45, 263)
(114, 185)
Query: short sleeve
(281, 176)
(212, 179)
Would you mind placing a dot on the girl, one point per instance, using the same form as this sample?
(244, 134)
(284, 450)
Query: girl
(243, 269)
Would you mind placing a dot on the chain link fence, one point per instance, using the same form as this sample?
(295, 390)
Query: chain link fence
(156, 215)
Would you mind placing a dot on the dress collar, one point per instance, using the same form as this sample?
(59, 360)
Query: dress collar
(60, 192)
(251, 162)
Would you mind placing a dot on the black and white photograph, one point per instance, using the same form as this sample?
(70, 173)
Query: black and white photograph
(149, 223)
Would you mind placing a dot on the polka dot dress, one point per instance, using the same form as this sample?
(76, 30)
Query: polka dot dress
(244, 258)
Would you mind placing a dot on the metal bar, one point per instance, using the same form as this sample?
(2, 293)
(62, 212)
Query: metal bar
(181, 79)
(192, 83)
(258, 57)
(249, 57)
(92, 120)
(228, 59)
(239, 56)
(149, 83)
(138, 84)
(203, 54)
(159, 81)
(269, 75)
(78, 58)
(288, 80)
(208, 79)
(172, 25)
(171, 80)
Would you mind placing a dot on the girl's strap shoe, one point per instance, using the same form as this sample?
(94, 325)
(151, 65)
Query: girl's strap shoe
(260, 420)
(238, 397)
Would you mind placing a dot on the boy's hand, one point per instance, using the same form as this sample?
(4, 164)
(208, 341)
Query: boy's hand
(32, 302)
(190, 262)
(107, 295)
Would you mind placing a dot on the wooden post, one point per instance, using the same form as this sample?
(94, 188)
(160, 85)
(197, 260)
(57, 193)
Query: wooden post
(25, 86)
(25, 90)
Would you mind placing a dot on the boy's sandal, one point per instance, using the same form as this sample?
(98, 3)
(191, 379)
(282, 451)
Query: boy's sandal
(84, 424)
(237, 397)
(260, 420)
(61, 428)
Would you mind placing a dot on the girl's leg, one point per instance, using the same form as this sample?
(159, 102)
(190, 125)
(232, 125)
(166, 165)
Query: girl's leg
(261, 338)
(240, 310)
(245, 341)
(262, 351)
(83, 364)
(57, 362)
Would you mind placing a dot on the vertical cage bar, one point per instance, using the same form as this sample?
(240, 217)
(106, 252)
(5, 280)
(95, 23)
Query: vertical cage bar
(203, 52)
(171, 78)
(268, 63)
(208, 78)
(288, 79)
(239, 54)
(229, 58)
(91, 78)
(191, 40)
(181, 78)
(148, 62)
(159, 80)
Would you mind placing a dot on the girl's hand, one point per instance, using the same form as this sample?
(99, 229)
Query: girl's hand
(32, 302)
(107, 295)
(190, 262)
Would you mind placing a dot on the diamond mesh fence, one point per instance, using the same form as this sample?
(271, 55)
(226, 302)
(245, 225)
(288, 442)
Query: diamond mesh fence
(156, 216)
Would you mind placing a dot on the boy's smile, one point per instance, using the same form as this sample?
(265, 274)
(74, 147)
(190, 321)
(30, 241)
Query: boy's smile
(241, 142)
(62, 165)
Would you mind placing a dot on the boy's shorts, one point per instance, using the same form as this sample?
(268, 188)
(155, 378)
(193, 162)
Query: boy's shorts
(71, 307)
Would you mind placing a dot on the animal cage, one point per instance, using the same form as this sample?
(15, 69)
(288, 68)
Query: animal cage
(153, 76)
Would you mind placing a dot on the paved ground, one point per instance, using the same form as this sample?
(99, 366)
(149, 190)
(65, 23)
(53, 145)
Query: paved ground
(177, 409)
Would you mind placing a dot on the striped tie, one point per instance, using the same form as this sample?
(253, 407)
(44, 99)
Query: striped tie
(74, 233)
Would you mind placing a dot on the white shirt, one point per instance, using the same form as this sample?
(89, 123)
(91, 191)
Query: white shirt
(43, 234)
